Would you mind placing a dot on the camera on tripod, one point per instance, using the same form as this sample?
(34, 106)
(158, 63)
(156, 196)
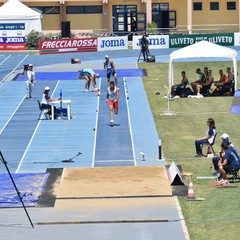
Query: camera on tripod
(26, 67)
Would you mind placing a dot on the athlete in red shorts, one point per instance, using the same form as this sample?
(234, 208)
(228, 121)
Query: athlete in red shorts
(112, 100)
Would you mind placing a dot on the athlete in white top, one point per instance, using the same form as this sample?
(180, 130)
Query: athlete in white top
(113, 96)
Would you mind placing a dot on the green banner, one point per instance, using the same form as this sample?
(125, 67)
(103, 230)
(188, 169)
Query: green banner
(179, 41)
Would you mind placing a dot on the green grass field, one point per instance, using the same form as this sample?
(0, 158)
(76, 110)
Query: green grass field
(219, 215)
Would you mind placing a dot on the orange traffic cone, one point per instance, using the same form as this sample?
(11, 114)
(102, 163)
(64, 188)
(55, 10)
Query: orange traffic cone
(210, 153)
(191, 194)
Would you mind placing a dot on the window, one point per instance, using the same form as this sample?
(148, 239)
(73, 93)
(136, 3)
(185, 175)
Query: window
(124, 9)
(160, 6)
(214, 5)
(197, 6)
(231, 5)
(47, 10)
(84, 9)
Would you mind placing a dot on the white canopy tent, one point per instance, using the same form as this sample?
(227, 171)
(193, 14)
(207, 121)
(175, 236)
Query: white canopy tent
(13, 11)
(203, 49)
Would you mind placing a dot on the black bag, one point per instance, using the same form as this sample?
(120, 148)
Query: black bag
(151, 58)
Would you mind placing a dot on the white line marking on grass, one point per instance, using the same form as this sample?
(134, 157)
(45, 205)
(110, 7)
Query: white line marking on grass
(96, 125)
(30, 142)
(5, 59)
(129, 122)
(201, 113)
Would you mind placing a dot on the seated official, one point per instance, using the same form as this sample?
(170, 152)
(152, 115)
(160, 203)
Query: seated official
(230, 162)
(178, 89)
(215, 160)
(46, 99)
(208, 139)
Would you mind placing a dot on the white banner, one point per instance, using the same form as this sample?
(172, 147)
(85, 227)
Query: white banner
(112, 43)
(236, 39)
(155, 41)
(12, 29)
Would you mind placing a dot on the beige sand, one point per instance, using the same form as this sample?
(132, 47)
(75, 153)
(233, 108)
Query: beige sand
(113, 181)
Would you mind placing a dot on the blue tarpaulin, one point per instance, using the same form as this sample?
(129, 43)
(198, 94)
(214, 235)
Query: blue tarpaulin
(30, 186)
(235, 108)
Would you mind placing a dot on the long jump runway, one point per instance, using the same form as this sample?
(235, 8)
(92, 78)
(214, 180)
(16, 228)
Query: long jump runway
(113, 143)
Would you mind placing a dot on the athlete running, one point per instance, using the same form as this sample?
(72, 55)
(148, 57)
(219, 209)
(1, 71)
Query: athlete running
(113, 96)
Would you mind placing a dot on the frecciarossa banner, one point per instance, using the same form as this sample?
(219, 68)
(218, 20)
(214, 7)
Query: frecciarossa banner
(68, 45)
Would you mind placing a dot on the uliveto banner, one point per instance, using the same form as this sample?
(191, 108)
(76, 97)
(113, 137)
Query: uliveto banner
(68, 45)
(178, 41)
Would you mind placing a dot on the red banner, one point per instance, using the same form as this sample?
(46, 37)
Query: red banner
(68, 45)
(12, 46)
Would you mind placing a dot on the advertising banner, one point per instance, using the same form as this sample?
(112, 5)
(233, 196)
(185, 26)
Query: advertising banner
(179, 41)
(155, 41)
(112, 43)
(12, 43)
(236, 39)
(68, 45)
(12, 29)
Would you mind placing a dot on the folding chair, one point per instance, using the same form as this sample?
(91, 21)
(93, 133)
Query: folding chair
(211, 145)
(43, 111)
(234, 175)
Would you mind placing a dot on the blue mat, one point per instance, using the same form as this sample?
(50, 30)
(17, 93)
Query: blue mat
(235, 108)
(30, 186)
(75, 75)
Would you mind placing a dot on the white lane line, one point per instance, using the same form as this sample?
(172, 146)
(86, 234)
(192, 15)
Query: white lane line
(14, 69)
(114, 161)
(96, 124)
(12, 115)
(182, 220)
(129, 120)
(30, 142)
(5, 59)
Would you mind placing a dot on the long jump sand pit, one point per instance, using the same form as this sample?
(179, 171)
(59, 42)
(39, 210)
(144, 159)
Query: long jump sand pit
(114, 182)
(113, 194)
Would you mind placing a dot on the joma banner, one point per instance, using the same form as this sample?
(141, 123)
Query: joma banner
(178, 41)
(68, 45)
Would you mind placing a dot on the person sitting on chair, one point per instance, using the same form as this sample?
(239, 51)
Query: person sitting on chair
(206, 85)
(208, 139)
(177, 89)
(219, 83)
(45, 101)
(229, 163)
(215, 160)
(227, 86)
(201, 79)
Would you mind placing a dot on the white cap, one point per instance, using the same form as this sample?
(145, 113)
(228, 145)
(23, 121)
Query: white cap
(106, 56)
(225, 136)
(47, 88)
(30, 65)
